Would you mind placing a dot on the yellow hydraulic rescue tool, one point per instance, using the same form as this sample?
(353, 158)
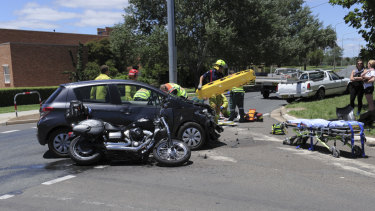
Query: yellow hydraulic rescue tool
(225, 84)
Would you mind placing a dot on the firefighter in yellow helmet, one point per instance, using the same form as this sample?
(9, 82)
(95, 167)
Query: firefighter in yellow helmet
(214, 74)
(175, 89)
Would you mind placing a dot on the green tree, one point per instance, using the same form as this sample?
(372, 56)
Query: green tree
(362, 17)
(240, 32)
(315, 58)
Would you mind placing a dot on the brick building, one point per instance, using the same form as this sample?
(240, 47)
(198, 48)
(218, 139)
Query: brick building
(34, 58)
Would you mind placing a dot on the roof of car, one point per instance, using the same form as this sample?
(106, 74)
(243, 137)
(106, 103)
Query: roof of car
(110, 81)
(317, 70)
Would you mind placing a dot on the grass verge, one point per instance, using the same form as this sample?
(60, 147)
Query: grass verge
(10, 109)
(325, 109)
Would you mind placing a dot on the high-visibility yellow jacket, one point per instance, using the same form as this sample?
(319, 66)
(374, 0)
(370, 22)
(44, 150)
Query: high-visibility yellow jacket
(239, 89)
(130, 92)
(99, 92)
(180, 91)
(219, 100)
(143, 94)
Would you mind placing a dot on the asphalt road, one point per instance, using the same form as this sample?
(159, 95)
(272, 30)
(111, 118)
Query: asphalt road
(247, 169)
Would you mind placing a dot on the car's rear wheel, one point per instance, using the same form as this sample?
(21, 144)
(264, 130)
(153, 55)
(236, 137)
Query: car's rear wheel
(58, 142)
(192, 134)
(320, 94)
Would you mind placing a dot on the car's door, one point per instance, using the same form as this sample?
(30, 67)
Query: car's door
(98, 98)
(135, 102)
(339, 83)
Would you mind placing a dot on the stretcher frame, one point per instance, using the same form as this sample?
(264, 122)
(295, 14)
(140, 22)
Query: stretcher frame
(325, 134)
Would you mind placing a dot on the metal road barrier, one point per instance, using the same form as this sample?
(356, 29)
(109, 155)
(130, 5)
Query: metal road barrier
(25, 93)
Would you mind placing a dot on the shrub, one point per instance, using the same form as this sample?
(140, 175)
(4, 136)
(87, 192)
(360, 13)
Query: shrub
(7, 95)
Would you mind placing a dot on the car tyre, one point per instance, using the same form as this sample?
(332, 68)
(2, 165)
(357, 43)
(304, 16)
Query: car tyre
(320, 94)
(266, 94)
(58, 142)
(192, 134)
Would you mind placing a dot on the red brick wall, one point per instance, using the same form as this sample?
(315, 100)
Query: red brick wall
(23, 36)
(41, 65)
(5, 59)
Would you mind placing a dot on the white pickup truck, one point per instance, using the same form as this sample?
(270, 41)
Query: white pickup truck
(315, 83)
(268, 83)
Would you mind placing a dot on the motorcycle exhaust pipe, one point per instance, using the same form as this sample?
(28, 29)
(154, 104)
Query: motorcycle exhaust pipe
(124, 147)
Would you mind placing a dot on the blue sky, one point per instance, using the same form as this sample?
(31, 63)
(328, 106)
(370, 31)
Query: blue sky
(85, 16)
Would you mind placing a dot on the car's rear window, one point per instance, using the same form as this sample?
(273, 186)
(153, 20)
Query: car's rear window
(53, 96)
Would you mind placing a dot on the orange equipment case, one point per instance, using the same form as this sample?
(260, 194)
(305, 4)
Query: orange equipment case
(225, 84)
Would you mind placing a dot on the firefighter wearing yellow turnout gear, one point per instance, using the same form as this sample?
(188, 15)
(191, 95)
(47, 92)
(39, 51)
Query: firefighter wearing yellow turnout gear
(220, 105)
(142, 95)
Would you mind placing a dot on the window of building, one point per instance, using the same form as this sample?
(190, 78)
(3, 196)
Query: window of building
(6, 73)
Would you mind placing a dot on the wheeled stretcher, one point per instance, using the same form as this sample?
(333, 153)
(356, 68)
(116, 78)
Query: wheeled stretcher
(324, 131)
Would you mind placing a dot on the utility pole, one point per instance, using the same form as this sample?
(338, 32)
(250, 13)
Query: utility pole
(172, 49)
(334, 53)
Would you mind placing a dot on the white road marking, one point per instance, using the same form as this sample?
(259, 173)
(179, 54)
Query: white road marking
(261, 137)
(10, 131)
(33, 127)
(101, 167)
(58, 180)
(347, 164)
(266, 114)
(6, 196)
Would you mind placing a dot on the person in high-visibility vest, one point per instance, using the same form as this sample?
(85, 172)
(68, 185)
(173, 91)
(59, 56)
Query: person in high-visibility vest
(220, 105)
(142, 95)
(100, 92)
(131, 90)
(172, 88)
(236, 99)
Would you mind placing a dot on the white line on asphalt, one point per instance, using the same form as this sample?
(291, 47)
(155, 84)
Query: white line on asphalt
(6, 196)
(266, 114)
(33, 127)
(354, 166)
(10, 131)
(58, 180)
(101, 167)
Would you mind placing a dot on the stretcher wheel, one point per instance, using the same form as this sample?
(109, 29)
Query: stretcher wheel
(357, 151)
(287, 141)
(335, 152)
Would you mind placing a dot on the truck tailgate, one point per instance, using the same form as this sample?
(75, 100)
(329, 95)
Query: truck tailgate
(290, 88)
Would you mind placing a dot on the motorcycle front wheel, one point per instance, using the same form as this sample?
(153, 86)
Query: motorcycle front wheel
(175, 155)
(83, 152)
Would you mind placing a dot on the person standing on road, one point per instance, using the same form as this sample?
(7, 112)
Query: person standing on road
(368, 78)
(356, 88)
(212, 75)
(236, 99)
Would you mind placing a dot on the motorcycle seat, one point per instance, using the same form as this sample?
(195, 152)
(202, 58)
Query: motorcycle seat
(112, 128)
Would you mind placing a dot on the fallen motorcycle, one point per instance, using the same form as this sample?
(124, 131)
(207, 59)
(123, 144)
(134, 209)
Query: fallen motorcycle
(93, 139)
